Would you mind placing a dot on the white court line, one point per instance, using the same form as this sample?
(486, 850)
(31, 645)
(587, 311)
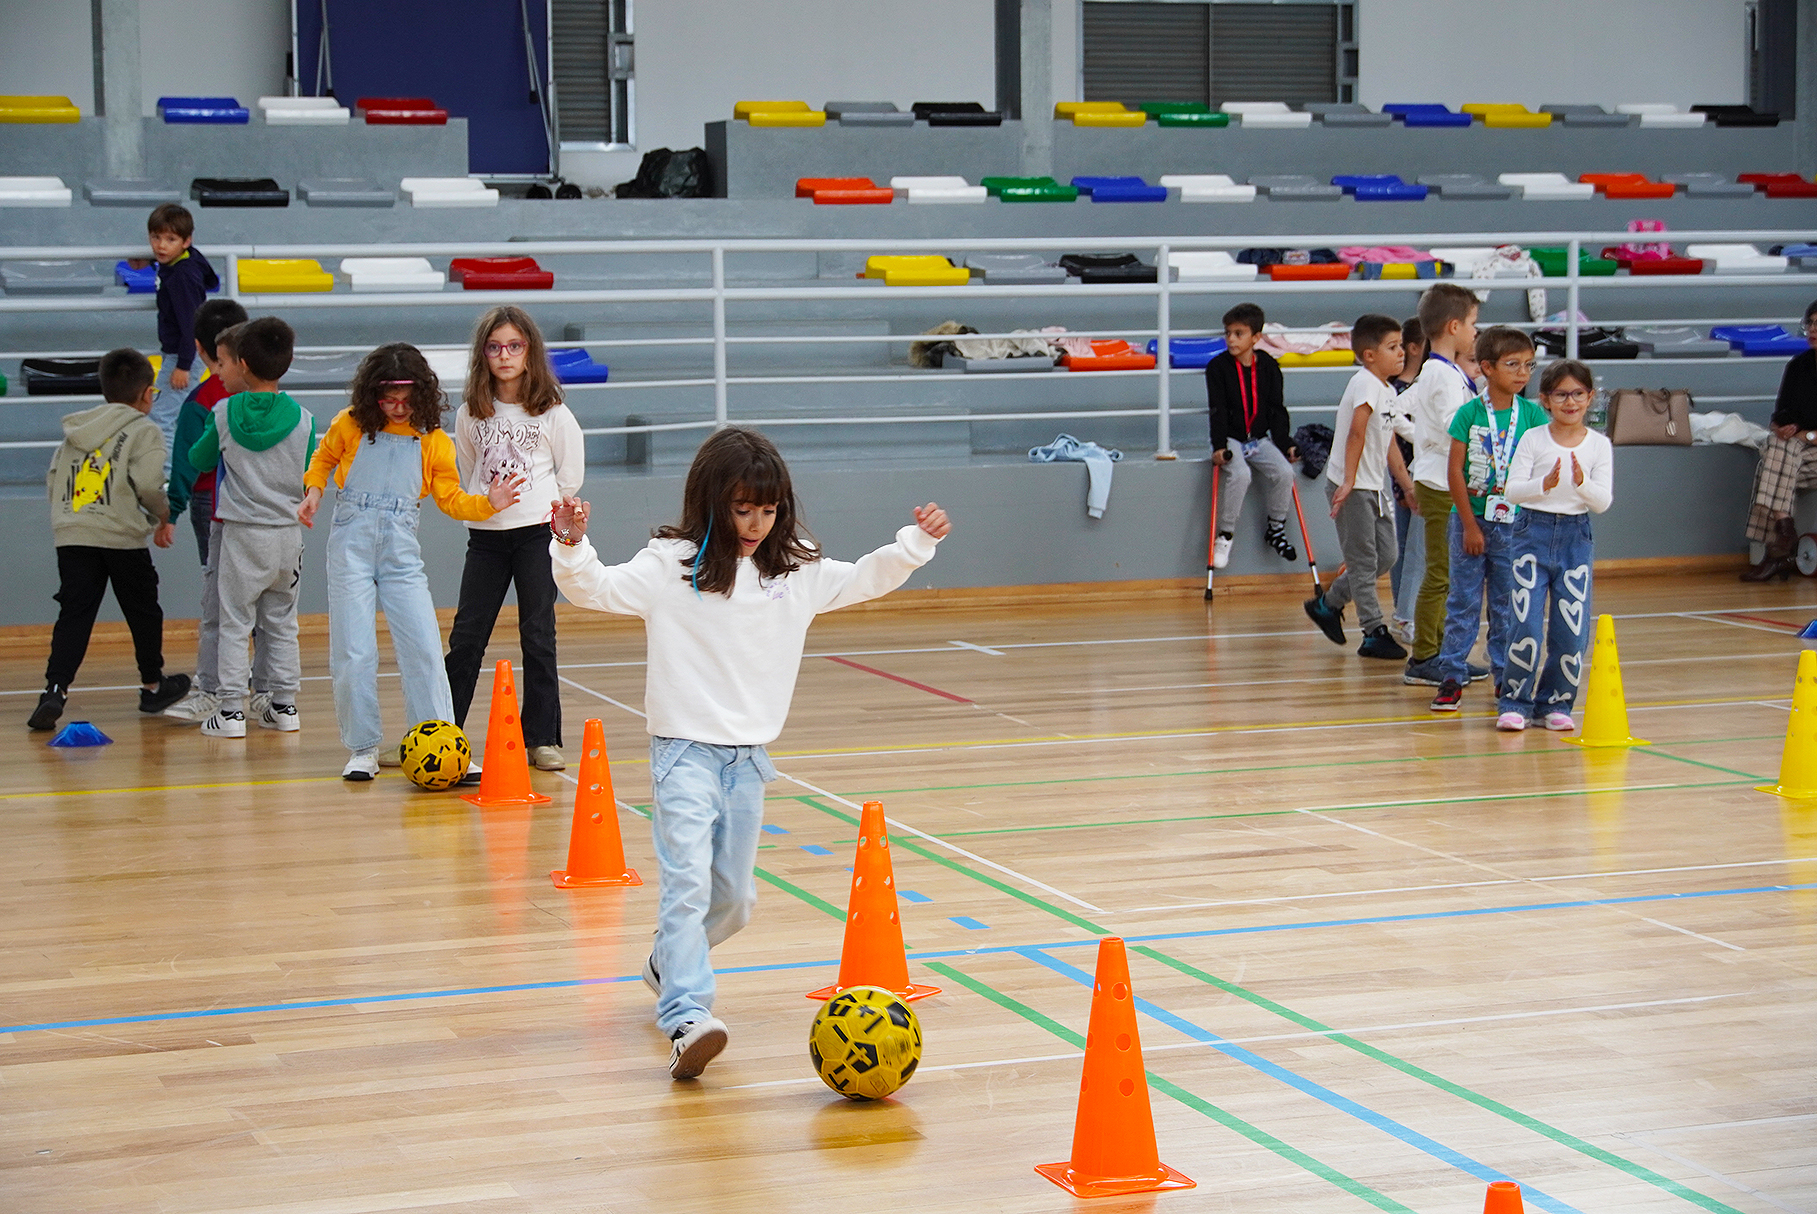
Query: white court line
(1640, 1139)
(600, 695)
(1302, 1036)
(1714, 619)
(995, 653)
(952, 847)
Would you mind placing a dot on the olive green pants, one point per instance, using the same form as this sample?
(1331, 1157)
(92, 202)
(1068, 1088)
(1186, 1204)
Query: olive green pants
(1429, 610)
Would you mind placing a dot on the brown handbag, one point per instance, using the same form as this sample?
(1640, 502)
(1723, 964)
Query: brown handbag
(1652, 417)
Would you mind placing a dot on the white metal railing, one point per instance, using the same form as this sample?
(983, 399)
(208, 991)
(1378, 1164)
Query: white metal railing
(718, 294)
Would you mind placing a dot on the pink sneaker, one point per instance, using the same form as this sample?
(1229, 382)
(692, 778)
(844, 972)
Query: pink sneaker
(1511, 722)
(1560, 722)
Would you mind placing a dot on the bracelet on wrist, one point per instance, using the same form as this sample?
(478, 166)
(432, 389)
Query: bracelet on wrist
(563, 538)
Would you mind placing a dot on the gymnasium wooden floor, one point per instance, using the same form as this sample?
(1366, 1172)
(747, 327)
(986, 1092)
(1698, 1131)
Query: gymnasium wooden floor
(1386, 956)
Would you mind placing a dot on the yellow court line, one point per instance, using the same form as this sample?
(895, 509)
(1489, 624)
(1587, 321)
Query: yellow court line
(96, 792)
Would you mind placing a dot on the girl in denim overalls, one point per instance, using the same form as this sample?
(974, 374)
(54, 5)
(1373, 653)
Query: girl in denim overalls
(387, 451)
(726, 597)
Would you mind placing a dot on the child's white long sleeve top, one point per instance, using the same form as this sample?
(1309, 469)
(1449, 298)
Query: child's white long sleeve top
(1533, 460)
(1436, 396)
(721, 669)
(547, 449)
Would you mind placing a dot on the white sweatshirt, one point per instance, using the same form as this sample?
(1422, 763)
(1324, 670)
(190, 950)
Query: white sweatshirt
(722, 670)
(1437, 395)
(1533, 460)
(549, 448)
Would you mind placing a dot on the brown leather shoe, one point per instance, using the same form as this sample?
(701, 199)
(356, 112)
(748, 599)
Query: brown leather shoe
(1777, 560)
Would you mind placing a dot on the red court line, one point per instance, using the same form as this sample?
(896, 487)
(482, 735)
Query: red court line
(896, 678)
(1759, 619)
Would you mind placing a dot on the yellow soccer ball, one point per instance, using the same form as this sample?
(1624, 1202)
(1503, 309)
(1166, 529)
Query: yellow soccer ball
(435, 754)
(865, 1043)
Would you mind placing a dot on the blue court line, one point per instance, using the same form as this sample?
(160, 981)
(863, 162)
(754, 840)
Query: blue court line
(773, 829)
(814, 849)
(913, 896)
(939, 954)
(1317, 1091)
(966, 921)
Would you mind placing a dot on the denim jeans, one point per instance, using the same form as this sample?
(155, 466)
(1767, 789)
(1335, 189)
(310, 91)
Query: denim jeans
(1410, 565)
(496, 559)
(1464, 603)
(375, 564)
(167, 403)
(1553, 556)
(706, 820)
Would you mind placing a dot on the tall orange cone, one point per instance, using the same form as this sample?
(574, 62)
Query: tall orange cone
(873, 953)
(1503, 1197)
(505, 778)
(1605, 706)
(596, 852)
(1798, 762)
(1114, 1133)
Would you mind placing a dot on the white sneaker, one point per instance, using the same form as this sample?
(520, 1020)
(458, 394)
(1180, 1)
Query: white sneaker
(547, 758)
(1220, 551)
(472, 778)
(1511, 722)
(281, 717)
(1560, 722)
(1402, 630)
(197, 706)
(225, 724)
(256, 706)
(697, 1043)
(650, 976)
(360, 767)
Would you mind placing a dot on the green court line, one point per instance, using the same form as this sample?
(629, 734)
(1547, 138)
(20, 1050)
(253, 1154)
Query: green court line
(1255, 1134)
(813, 900)
(1275, 813)
(1445, 1085)
(909, 844)
(1667, 754)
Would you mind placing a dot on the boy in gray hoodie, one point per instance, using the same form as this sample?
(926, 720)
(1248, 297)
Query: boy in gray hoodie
(262, 440)
(106, 490)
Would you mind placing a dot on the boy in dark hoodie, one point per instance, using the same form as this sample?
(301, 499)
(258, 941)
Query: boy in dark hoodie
(1249, 433)
(106, 490)
(184, 280)
(264, 440)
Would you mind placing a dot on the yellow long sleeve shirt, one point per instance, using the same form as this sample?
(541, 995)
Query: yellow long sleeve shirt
(441, 478)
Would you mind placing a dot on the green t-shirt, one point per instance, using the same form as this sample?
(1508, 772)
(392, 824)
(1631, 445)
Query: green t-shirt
(1470, 426)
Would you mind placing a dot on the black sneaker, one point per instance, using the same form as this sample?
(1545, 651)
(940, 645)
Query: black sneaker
(1276, 535)
(1477, 673)
(171, 688)
(1330, 622)
(1379, 644)
(50, 707)
(1450, 694)
(1423, 673)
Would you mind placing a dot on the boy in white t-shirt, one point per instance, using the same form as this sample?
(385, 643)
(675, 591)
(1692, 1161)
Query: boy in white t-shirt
(1356, 480)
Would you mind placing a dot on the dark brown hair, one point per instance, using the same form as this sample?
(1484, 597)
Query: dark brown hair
(125, 374)
(1562, 369)
(1499, 340)
(230, 338)
(1411, 332)
(169, 217)
(1371, 330)
(1443, 303)
(1248, 315)
(541, 391)
(394, 365)
(214, 318)
(266, 346)
(737, 465)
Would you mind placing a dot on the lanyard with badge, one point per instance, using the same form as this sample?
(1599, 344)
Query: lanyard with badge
(1252, 405)
(1496, 507)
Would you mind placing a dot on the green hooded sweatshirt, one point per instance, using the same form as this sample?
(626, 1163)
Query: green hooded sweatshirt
(269, 441)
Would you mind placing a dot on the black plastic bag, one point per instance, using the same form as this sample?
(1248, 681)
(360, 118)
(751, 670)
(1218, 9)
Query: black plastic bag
(1314, 442)
(667, 174)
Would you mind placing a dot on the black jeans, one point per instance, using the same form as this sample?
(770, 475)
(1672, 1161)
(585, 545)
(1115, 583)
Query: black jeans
(496, 559)
(201, 518)
(84, 573)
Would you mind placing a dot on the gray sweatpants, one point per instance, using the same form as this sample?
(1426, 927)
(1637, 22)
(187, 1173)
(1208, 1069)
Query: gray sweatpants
(258, 569)
(1269, 465)
(1366, 537)
(208, 629)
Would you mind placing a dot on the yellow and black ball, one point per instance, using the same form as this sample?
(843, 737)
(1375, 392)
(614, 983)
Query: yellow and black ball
(865, 1042)
(435, 754)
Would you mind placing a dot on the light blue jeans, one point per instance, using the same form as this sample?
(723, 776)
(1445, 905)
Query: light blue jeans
(168, 403)
(1553, 556)
(705, 823)
(1464, 604)
(375, 564)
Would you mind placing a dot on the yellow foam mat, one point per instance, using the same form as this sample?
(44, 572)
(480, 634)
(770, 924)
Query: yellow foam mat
(1319, 358)
(744, 109)
(37, 108)
(1517, 120)
(899, 270)
(1492, 107)
(788, 118)
(1097, 118)
(1067, 109)
(263, 275)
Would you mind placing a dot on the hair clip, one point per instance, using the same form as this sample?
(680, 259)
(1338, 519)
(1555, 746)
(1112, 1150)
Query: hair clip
(398, 383)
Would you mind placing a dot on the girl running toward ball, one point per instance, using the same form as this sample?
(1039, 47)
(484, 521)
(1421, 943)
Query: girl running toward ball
(726, 596)
(386, 452)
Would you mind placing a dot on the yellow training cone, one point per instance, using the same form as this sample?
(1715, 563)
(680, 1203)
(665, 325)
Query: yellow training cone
(1605, 707)
(1798, 765)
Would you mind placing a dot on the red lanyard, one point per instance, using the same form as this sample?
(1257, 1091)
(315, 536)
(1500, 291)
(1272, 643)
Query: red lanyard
(1252, 400)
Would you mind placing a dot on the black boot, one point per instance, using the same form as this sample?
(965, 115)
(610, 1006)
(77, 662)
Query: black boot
(1777, 561)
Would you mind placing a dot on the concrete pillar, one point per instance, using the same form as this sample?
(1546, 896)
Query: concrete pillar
(1805, 125)
(119, 91)
(1038, 87)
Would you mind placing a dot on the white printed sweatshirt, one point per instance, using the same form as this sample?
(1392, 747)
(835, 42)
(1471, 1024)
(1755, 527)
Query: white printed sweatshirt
(549, 449)
(721, 669)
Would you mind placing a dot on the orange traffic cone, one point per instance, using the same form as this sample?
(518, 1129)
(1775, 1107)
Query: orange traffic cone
(873, 954)
(505, 778)
(1114, 1133)
(1503, 1198)
(596, 853)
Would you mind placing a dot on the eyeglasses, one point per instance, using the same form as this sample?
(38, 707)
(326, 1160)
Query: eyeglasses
(1810, 326)
(1578, 397)
(496, 348)
(1515, 364)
